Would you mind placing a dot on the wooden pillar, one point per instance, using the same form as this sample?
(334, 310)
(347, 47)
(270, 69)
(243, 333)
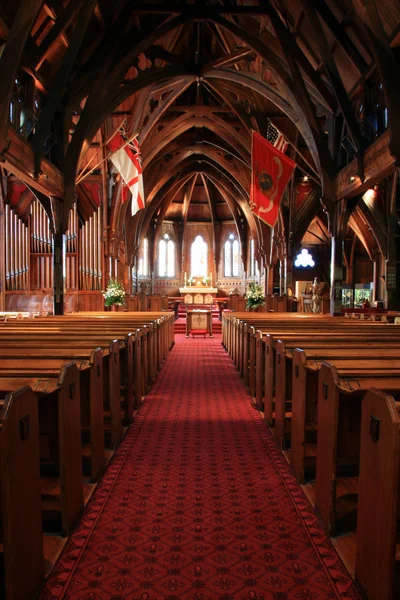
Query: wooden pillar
(269, 279)
(59, 259)
(391, 285)
(376, 277)
(285, 275)
(337, 256)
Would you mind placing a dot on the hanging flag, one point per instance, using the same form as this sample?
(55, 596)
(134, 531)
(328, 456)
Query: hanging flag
(276, 138)
(128, 163)
(271, 171)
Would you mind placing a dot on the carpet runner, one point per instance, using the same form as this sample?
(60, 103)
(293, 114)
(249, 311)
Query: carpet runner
(198, 504)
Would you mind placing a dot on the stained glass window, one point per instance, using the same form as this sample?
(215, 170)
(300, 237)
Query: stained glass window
(166, 257)
(144, 259)
(198, 258)
(231, 256)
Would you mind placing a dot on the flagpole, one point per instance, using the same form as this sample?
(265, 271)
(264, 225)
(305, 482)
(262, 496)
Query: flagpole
(83, 175)
(318, 180)
(103, 144)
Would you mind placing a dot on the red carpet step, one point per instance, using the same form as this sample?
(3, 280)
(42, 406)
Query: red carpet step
(198, 504)
(180, 325)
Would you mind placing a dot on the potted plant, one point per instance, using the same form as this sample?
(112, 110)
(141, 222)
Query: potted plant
(254, 296)
(114, 295)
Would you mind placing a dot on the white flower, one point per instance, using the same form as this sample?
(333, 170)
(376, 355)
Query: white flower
(114, 294)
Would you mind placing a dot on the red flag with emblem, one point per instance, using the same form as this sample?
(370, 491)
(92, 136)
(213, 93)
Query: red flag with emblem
(127, 162)
(271, 171)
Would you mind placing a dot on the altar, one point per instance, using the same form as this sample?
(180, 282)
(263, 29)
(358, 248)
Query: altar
(196, 294)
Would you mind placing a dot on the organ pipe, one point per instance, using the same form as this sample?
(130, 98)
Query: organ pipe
(17, 252)
(90, 254)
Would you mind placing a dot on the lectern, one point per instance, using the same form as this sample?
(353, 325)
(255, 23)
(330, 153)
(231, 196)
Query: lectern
(198, 322)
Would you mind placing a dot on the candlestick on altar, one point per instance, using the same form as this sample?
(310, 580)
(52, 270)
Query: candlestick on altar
(185, 280)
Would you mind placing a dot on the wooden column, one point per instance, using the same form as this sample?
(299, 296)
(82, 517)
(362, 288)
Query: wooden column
(337, 257)
(376, 277)
(59, 258)
(391, 285)
(2, 246)
(285, 275)
(269, 279)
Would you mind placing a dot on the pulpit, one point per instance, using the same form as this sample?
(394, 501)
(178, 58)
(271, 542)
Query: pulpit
(199, 322)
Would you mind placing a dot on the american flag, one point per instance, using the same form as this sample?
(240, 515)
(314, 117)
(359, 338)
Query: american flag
(276, 138)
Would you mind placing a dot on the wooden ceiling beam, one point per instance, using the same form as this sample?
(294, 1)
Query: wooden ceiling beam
(388, 66)
(11, 60)
(337, 84)
(229, 60)
(339, 31)
(43, 127)
(63, 20)
(19, 159)
(316, 85)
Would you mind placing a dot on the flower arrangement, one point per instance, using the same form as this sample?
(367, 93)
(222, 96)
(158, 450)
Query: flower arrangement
(206, 280)
(254, 295)
(114, 294)
(190, 281)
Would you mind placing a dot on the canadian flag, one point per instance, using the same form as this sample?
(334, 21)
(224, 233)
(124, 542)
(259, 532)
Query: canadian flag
(128, 163)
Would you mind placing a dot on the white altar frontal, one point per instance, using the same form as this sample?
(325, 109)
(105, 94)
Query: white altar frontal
(197, 294)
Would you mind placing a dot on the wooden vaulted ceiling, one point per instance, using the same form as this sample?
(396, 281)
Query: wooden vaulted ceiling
(192, 79)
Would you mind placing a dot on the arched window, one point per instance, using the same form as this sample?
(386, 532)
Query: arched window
(144, 260)
(166, 257)
(198, 257)
(231, 256)
(254, 270)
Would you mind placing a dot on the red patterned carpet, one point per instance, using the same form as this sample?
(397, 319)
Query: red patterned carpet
(198, 503)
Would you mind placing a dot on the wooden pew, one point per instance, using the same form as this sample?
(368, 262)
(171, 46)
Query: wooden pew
(36, 363)
(377, 553)
(112, 373)
(288, 383)
(338, 444)
(264, 388)
(61, 446)
(21, 520)
(304, 398)
(76, 339)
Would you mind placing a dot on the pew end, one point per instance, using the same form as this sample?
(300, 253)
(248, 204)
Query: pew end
(377, 570)
(283, 397)
(61, 466)
(22, 541)
(302, 442)
(338, 450)
(269, 380)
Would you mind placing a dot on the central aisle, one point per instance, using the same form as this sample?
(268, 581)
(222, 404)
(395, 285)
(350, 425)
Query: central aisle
(198, 503)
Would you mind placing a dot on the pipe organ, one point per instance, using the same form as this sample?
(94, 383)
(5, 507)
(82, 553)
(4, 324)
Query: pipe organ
(90, 256)
(17, 252)
(71, 273)
(41, 248)
(28, 245)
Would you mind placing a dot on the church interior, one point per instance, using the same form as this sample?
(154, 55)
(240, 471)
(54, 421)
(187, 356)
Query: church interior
(199, 299)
